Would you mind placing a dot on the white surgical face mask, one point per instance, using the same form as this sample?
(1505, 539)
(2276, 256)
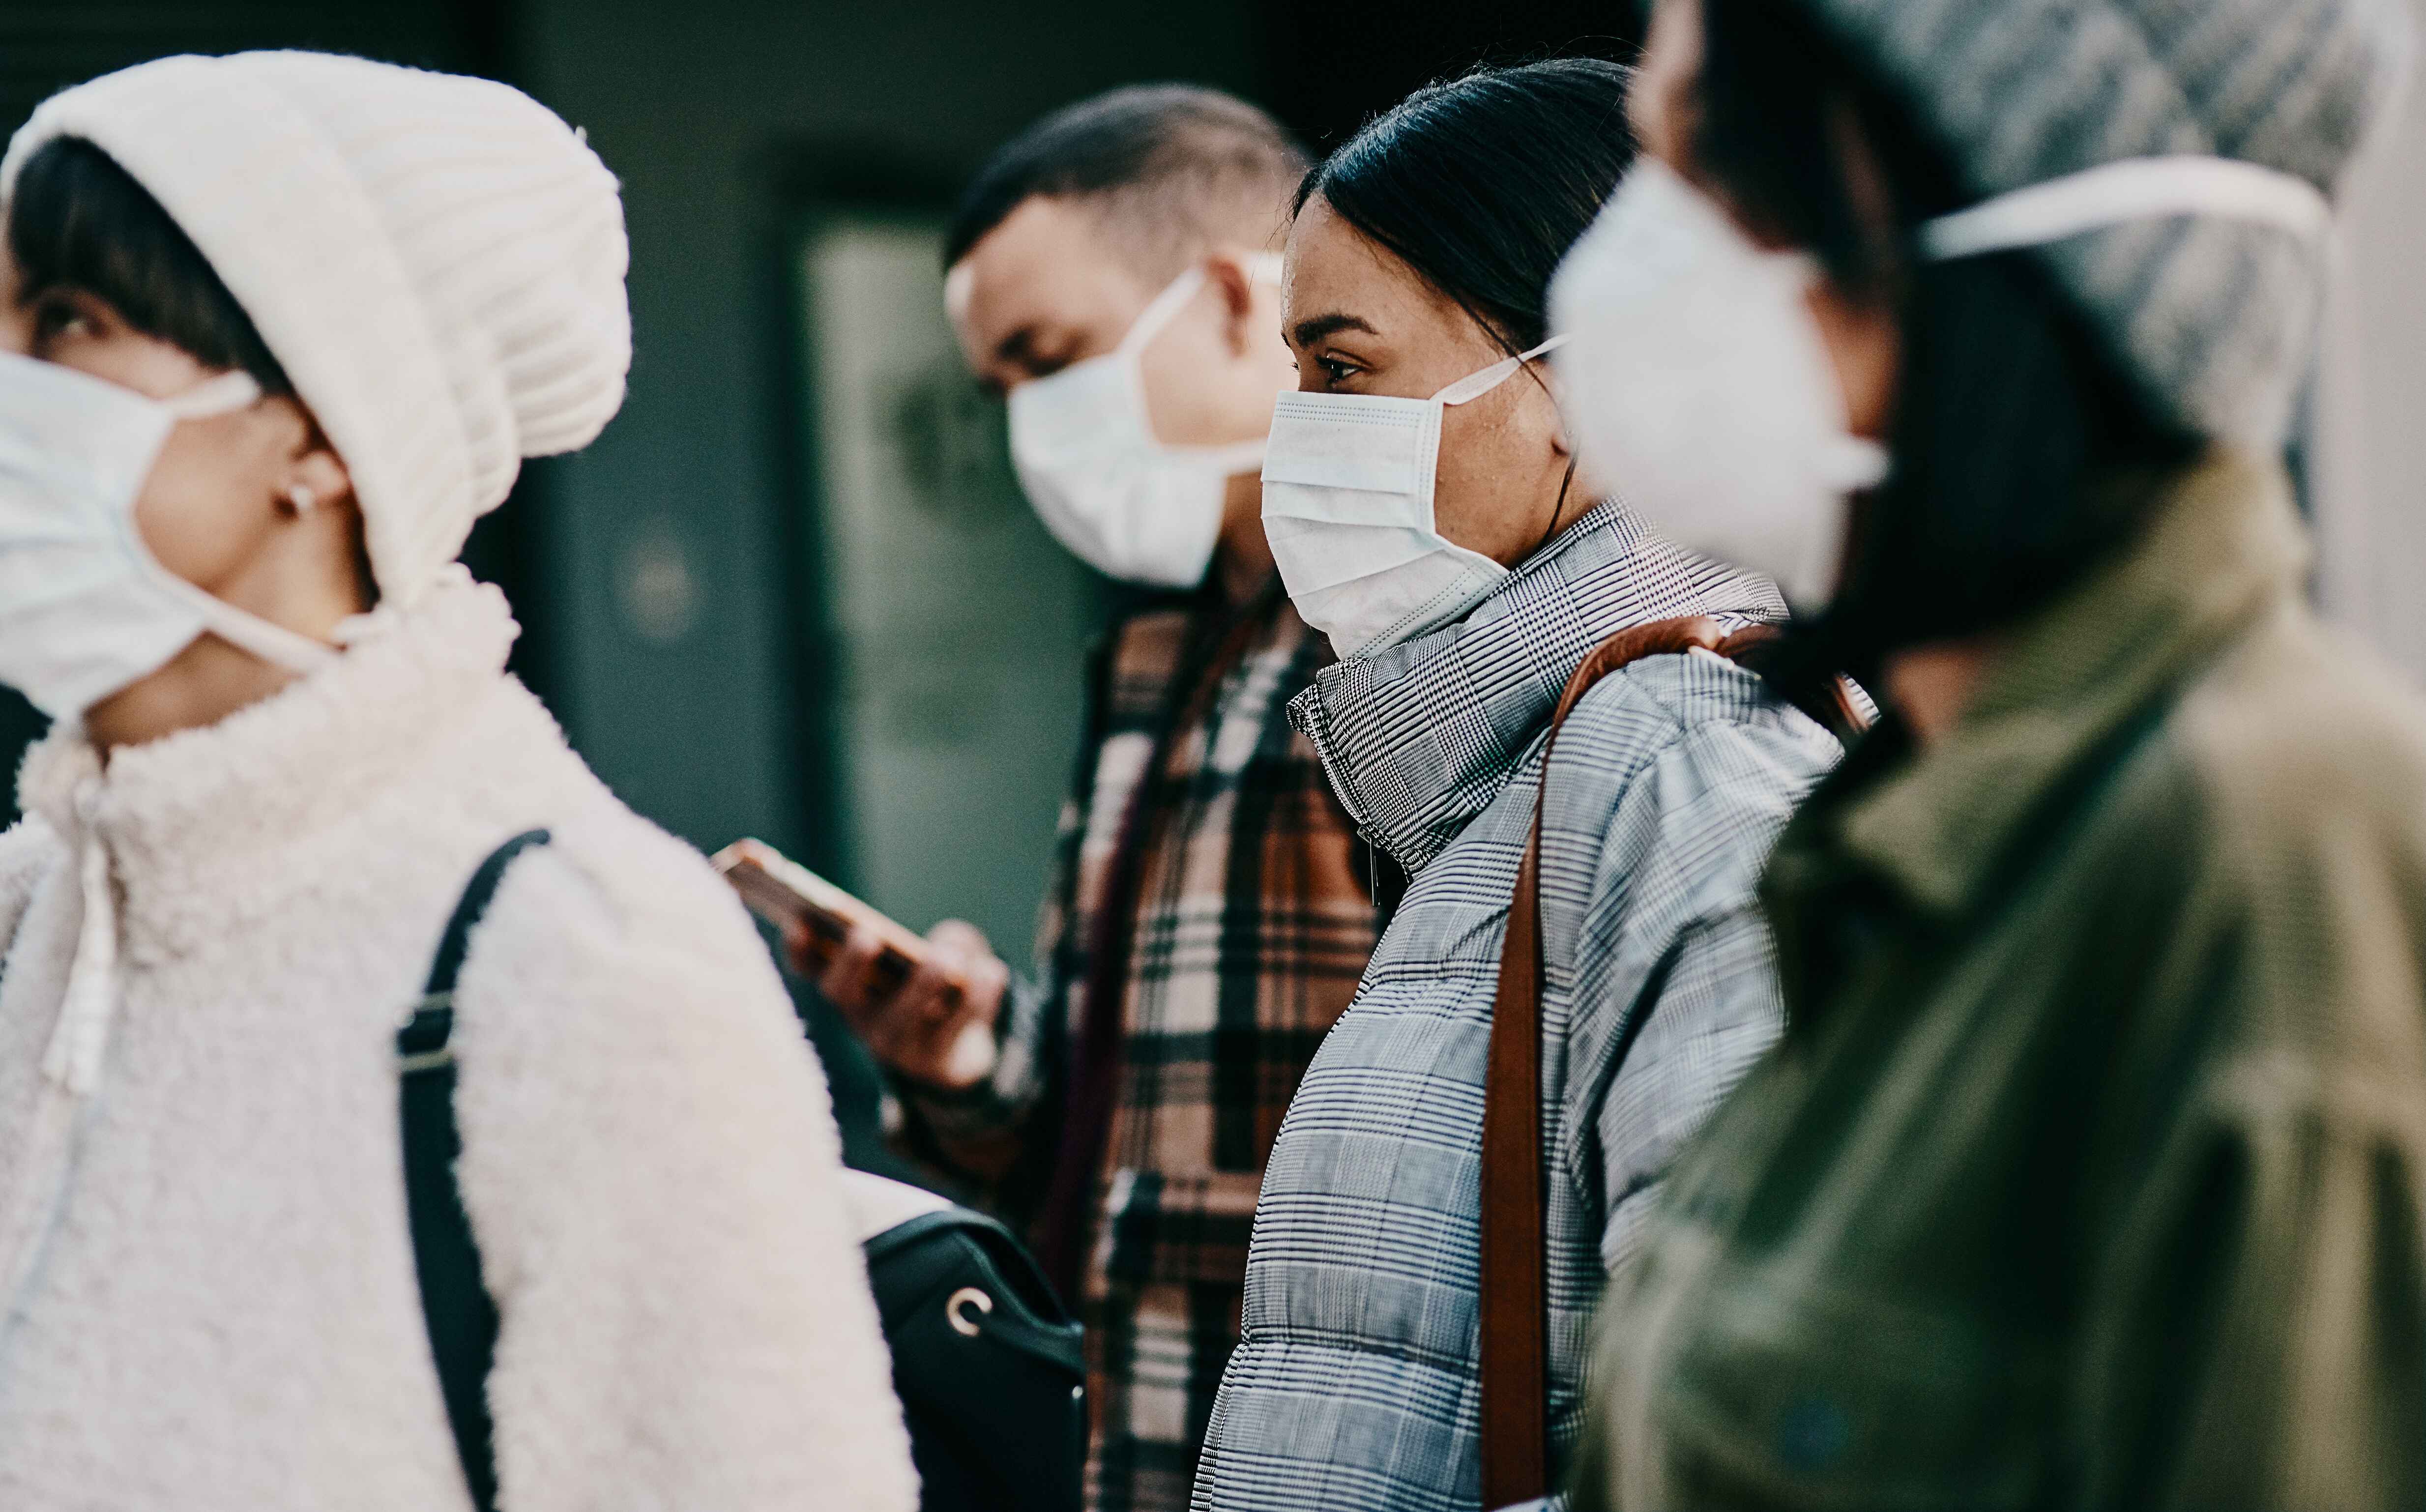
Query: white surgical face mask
(1349, 480)
(84, 608)
(1084, 447)
(1699, 387)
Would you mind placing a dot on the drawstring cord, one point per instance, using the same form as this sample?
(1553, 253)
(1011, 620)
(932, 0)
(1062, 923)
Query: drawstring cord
(359, 629)
(82, 1035)
(73, 1063)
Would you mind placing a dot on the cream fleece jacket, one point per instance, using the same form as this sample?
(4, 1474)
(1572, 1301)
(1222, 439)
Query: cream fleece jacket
(215, 1306)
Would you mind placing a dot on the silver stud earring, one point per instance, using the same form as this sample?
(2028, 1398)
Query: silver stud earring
(302, 497)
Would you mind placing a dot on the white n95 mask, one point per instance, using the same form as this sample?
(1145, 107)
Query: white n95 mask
(1349, 480)
(84, 608)
(1699, 388)
(1083, 445)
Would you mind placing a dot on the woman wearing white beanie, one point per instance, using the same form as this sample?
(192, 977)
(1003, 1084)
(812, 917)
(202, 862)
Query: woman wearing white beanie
(278, 327)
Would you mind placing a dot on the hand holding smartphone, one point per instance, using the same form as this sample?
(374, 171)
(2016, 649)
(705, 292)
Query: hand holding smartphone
(925, 1006)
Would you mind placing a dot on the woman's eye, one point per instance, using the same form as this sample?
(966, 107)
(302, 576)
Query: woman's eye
(56, 317)
(1336, 369)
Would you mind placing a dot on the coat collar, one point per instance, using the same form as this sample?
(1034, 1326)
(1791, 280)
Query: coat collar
(2223, 548)
(282, 769)
(1420, 738)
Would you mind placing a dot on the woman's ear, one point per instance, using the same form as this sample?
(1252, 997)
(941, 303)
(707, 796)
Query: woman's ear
(315, 476)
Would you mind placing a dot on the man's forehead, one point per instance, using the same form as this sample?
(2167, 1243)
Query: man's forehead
(958, 284)
(1049, 259)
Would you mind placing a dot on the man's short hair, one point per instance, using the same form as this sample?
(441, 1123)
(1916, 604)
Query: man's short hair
(1171, 169)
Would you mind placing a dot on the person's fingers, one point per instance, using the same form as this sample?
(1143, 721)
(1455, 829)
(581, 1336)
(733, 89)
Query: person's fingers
(971, 976)
(958, 938)
(795, 950)
(988, 979)
(849, 981)
(925, 997)
(889, 1044)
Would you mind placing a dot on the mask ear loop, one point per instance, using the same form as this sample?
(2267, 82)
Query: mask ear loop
(1475, 385)
(226, 394)
(1160, 311)
(221, 395)
(2131, 189)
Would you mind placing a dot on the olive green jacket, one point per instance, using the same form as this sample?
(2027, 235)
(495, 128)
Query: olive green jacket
(2092, 1169)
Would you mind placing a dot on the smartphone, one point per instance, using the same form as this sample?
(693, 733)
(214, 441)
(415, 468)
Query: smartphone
(787, 894)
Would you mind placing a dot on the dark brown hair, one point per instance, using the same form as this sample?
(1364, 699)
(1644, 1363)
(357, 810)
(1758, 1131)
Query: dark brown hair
(78, 220)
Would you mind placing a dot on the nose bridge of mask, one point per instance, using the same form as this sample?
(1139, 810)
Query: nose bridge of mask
(1375, 446)
(1373, 443)
(51, 415)
(2131, 189)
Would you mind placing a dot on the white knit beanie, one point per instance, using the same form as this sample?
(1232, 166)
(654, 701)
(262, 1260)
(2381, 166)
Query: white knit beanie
(436, 262)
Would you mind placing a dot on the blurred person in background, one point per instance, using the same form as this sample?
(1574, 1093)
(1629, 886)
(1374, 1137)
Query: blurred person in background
(274, 329)
(2092, 1169)
(1112, 270)
(1421, 497)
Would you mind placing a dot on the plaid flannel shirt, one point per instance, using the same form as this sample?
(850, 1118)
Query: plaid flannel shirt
(1253, 924)
(1355, 1385)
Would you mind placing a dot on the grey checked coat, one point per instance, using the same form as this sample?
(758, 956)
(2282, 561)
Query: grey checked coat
(1354, 1385)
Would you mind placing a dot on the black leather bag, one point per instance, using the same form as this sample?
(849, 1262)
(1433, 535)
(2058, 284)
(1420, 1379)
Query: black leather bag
(986, 1361)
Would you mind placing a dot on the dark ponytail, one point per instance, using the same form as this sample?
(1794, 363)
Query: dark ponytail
(1480, 183)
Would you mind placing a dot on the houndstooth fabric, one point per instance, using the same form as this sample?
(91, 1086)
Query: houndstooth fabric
(1355, 1385)
(1252, 925)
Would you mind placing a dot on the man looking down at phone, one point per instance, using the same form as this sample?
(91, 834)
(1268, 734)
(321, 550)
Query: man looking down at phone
(1111, 271)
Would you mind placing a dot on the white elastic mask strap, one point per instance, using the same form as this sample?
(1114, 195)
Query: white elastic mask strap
(1475, 385)
(1265, 267)
(1160, 311)
(273, 643)
(224, 395)
(2137, 188)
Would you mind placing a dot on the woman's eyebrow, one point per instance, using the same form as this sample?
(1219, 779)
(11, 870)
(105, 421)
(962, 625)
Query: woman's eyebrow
(1306, 333)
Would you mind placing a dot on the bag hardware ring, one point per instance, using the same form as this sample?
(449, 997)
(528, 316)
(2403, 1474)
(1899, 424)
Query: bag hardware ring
(960, 1321)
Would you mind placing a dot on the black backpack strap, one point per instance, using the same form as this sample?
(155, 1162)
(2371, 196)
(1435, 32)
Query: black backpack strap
(457, 1307)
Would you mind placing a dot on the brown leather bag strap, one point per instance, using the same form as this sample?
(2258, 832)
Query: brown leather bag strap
(1514, 1346)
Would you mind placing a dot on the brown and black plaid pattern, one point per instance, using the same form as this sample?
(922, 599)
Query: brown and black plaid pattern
(1251, 925)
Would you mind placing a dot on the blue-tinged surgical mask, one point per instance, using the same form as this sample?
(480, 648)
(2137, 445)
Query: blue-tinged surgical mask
(1348, 483)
